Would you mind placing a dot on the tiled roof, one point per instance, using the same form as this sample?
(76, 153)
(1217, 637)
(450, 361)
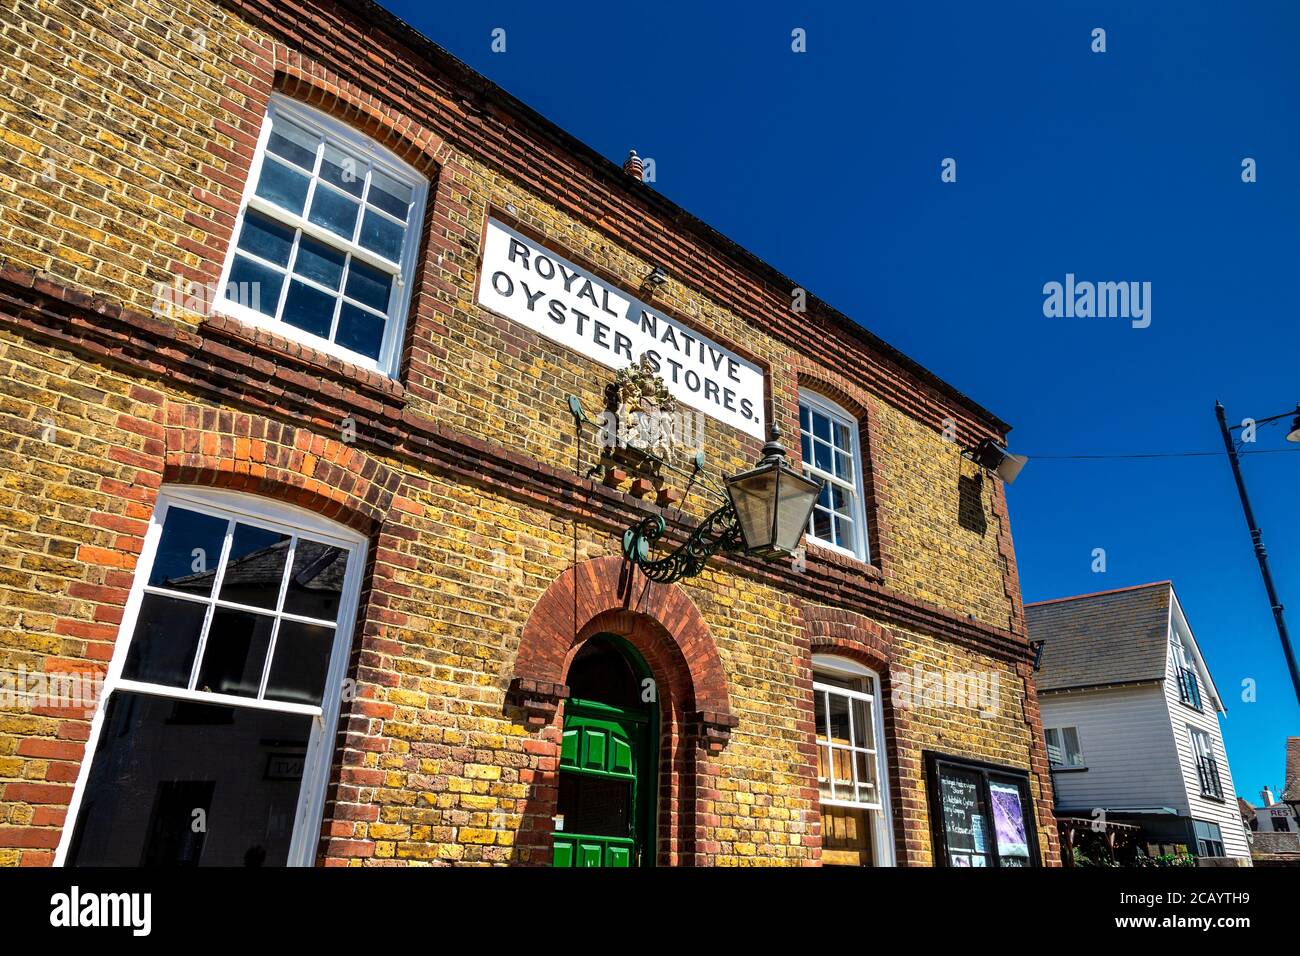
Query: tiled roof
(1113, 637)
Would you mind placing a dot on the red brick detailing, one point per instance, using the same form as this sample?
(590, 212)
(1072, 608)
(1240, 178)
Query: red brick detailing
(608, 596)
(830, 630)
(1007, 558)
(1039, 768)
(242, 452)
(309, 83)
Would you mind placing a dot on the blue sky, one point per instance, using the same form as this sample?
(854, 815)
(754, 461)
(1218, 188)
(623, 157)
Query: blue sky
(1116, 166)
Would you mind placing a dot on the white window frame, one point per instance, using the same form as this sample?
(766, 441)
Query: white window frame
(399, 300)
(882, 837)
(1199, 737)
(1064, 748)
(825, 406)
(264, 513)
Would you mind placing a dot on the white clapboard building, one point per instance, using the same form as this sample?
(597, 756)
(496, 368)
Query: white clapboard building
(1131, 717)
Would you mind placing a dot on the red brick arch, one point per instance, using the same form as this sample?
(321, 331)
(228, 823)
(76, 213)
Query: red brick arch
(244, 452)
(609, 596)
(345, 101)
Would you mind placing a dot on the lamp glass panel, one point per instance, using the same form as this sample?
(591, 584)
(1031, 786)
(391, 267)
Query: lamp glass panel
(797, 496)
(754, 498)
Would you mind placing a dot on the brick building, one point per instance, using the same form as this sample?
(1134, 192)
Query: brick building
(287, 462)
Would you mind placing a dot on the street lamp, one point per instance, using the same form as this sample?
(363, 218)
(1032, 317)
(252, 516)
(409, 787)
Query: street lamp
(765, 515)
(1261, 554)
(772, 503)
(1294, 433)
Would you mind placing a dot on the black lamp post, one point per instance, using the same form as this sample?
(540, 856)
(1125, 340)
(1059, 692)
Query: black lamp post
(765, 515)
(1261, 554)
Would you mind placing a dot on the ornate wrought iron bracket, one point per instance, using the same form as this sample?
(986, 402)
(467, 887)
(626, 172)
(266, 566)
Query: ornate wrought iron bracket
(717, 533)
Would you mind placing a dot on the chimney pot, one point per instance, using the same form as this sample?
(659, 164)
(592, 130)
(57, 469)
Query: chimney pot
(1267, 794)
(632, 165)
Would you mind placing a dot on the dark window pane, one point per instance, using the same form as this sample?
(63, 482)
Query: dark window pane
(165, 638)
(821, 426)
(360, 331)
(340, 169)
(255, 567)
(266, 238)
(823, 456)
(319, 263)
(254, 285)
(293, 143)
(595, 806)
(189, 551)
(309, 309)
(821, 524)
(235, 653)
(151, 771)
(171, 839)
(302, 655)
(369, 286)
(390, 194)
(282, 185)
(316, 582)
(334, 211)
(382, 236)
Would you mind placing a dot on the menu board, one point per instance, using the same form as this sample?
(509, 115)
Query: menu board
(982, 815)
(963, 818)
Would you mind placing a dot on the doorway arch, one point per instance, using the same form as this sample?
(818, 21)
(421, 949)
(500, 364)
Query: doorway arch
(606, 597)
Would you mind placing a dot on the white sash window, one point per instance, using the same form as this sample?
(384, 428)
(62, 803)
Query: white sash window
(851, 770)
(325, 244)
(211, 744)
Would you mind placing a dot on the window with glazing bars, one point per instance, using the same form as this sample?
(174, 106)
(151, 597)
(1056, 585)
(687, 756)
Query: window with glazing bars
(325, 243)
(829, 444)
(1207, 768)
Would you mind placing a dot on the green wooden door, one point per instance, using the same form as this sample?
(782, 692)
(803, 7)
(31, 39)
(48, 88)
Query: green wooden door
(605, 811)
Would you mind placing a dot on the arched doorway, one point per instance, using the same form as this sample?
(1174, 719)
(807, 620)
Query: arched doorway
(605, 815)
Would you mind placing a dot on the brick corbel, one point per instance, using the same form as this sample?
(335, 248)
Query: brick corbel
(710, 730)
(539, 700)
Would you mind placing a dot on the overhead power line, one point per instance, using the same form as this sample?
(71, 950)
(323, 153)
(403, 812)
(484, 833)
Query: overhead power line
(1160, 454)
